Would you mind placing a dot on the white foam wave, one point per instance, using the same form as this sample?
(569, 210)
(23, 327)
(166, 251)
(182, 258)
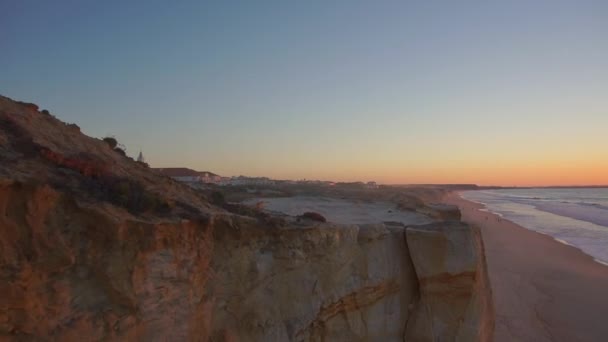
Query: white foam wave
(582, 226)
(601, 262)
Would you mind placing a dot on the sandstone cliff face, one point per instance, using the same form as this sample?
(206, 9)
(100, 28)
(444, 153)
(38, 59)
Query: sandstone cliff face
(160, 263)
(67, 271)
(92, 245)
(325, 282)
(312, 282)
(455, 297)
(70, 271)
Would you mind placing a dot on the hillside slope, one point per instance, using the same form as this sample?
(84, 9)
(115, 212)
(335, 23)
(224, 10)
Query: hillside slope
(97, 246)
(92, 243)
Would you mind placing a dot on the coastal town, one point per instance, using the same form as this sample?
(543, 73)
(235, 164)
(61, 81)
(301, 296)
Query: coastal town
(199, 179)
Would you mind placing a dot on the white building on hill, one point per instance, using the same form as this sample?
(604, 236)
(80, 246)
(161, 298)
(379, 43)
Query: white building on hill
(186, 175)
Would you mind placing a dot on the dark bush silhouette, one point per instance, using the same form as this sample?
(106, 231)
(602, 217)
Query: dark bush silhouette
(125, 193)
(112, 142)
(19, 139)
(132, 196)
(217, 198)
(45, 112)
(311, 215)
(120, 151)
(114, 145)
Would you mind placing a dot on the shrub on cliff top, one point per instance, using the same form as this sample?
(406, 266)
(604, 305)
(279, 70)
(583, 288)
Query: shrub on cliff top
(112, 142)
(217, 198)
(132, 196)
(115, 146)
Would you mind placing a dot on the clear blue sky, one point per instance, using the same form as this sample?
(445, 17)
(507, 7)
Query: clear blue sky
(397, 91)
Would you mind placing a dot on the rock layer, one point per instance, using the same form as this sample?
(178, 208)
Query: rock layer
(317, 282)
(68, 271)
(455, 297)
(94, 245)
(324, 282)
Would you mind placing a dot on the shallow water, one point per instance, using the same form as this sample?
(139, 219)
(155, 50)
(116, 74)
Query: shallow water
(341, 210)
(578, 217)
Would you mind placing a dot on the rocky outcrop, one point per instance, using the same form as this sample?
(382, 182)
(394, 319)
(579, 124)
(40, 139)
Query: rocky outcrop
(68, 271)
(74, 271)
(443, 212)
(324, 282)
(318, 282)
(95, 246)
(455, 297)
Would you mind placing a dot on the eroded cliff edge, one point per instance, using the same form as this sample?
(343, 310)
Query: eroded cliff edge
(351, 283)
(93, 244)
(312, 282)
(68, 271)
(455, 302)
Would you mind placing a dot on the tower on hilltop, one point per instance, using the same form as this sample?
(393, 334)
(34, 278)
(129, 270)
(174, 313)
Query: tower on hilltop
(140, 157)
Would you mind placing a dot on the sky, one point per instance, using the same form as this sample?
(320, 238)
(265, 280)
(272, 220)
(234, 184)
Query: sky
(487, 92)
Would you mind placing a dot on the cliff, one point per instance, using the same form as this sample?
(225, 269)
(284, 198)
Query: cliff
(323, 282)
(312, 282)
(94, 244)
(68, 270)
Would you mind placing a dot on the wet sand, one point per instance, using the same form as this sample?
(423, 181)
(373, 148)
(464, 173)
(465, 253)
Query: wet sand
(543, 290)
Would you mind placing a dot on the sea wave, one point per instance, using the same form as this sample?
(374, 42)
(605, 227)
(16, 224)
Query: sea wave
(577, 217)
(588, 213)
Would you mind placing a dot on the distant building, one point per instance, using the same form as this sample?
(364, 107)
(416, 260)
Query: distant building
(225, 181)
(247, 181)
(181, 174)
(371, 185)
(186, 175)
(210, 177)
(198, 178)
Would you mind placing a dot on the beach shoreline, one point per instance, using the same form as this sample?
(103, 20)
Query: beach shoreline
(483, 208)
(543, 290)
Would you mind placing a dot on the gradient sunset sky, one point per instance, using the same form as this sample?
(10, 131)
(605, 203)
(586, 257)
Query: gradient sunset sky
(487, 92)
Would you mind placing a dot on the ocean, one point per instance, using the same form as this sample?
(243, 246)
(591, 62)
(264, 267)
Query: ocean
(578, 217)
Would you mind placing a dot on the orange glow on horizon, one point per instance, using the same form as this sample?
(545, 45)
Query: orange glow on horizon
(549, 174)
(534, 176)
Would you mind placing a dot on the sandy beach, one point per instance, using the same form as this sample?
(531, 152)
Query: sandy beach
(543, 290)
